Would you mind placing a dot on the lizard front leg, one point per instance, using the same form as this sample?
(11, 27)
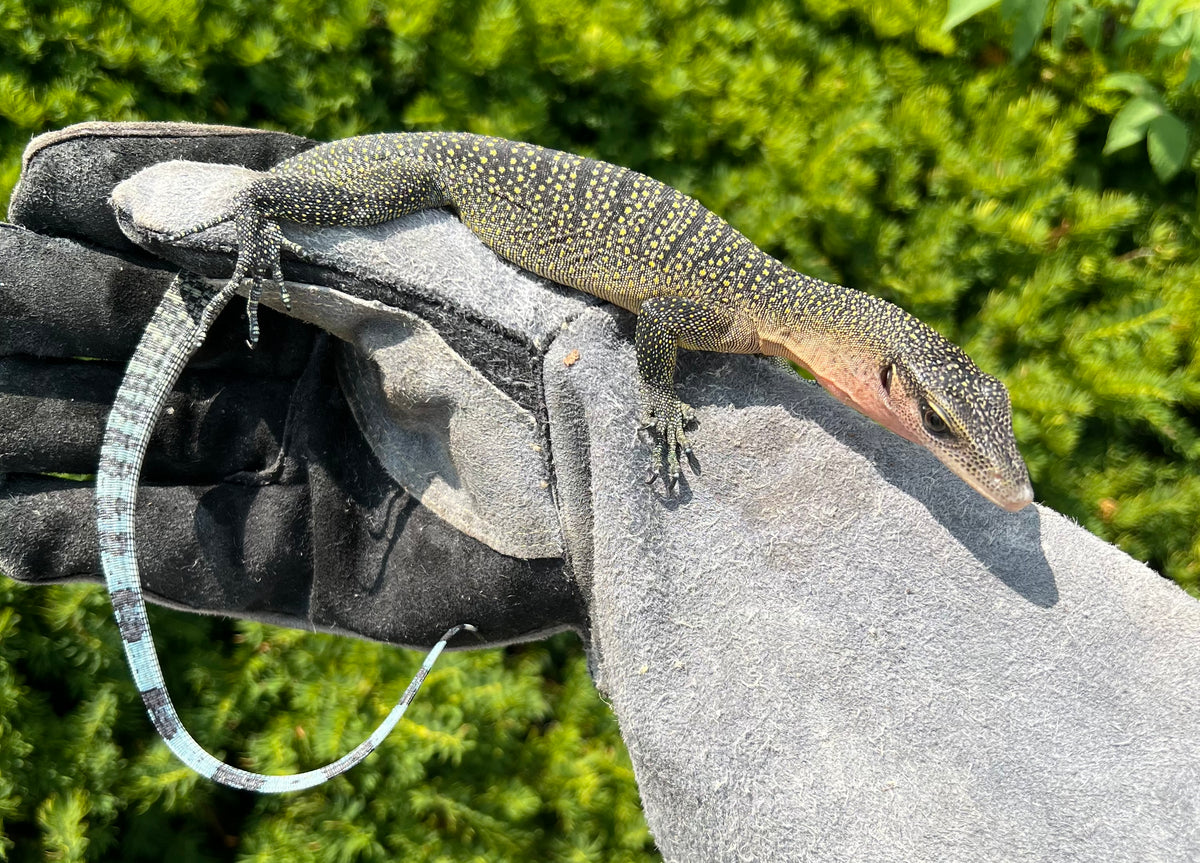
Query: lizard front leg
(664, 325)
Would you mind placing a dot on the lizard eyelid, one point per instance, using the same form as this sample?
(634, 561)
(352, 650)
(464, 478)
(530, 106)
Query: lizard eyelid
(934, 421)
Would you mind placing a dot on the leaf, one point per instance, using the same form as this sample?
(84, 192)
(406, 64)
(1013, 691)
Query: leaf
(1167, 141)
(1193, 74)
(961, 10)
(1090, 27)
(1063, 14)
(1131, 83)
(1031, 15)
(1129, 126)
(1178, 36)
(1154, 14)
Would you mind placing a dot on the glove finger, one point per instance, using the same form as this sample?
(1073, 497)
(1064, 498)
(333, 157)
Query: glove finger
(62, 299)
(395, 572)
(223, 549)
(67, 177)
(216, 423)
(386, 567)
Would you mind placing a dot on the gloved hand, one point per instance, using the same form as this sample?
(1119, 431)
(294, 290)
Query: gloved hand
(828, 648)
(260, 496)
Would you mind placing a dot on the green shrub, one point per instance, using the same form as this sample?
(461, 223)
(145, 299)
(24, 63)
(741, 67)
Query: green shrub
(506, 755)
(854, 139)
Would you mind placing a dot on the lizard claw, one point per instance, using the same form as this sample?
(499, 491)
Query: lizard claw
(259, 243)
(277, 278)
(666, 417)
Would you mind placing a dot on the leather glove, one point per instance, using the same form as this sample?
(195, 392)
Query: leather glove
(261, 498)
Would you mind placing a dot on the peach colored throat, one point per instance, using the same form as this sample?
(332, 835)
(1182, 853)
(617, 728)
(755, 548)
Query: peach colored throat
(849, 374)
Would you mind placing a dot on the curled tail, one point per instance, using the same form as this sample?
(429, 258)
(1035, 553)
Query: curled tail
(179, 325)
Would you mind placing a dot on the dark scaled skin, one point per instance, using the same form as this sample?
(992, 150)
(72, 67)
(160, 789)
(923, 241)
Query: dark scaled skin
(694, 282)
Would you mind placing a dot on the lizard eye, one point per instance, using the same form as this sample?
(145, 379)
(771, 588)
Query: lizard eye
(885, 377)
(934, 422)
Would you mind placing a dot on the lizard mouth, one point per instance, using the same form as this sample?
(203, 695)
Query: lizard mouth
(1008, 494)
(1015, 500)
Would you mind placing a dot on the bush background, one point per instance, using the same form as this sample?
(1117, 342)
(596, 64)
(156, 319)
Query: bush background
(853, 139)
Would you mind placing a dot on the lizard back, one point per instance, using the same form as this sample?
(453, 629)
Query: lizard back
(597, 227)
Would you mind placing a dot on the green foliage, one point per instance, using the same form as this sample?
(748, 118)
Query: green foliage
(854, 139)
(1170, 27)
(506, 755)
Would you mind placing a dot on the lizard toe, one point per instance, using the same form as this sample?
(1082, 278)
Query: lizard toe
(666, 418)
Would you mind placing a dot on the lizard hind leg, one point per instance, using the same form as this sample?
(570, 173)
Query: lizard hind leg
(351, 192)
(260, 242)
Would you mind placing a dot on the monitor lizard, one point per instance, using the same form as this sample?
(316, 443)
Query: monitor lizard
(693, 280)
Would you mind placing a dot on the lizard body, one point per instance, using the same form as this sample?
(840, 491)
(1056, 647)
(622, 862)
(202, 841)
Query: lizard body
(692, 279)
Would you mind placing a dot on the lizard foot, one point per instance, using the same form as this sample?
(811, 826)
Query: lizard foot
(666, 417)
(260, 242)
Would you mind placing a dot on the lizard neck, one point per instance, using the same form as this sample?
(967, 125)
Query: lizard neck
(827, 330)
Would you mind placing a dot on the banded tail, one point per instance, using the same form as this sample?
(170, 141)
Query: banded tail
(179, 325)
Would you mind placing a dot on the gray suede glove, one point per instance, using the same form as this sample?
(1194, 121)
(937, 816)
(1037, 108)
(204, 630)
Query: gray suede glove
(261, 498)
(829, 649)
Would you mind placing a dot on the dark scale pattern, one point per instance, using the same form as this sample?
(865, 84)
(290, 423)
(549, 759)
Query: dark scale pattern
(697, 282)
(162, 713)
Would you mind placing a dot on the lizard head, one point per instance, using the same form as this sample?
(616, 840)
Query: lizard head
(960, 414)
(908, 378)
